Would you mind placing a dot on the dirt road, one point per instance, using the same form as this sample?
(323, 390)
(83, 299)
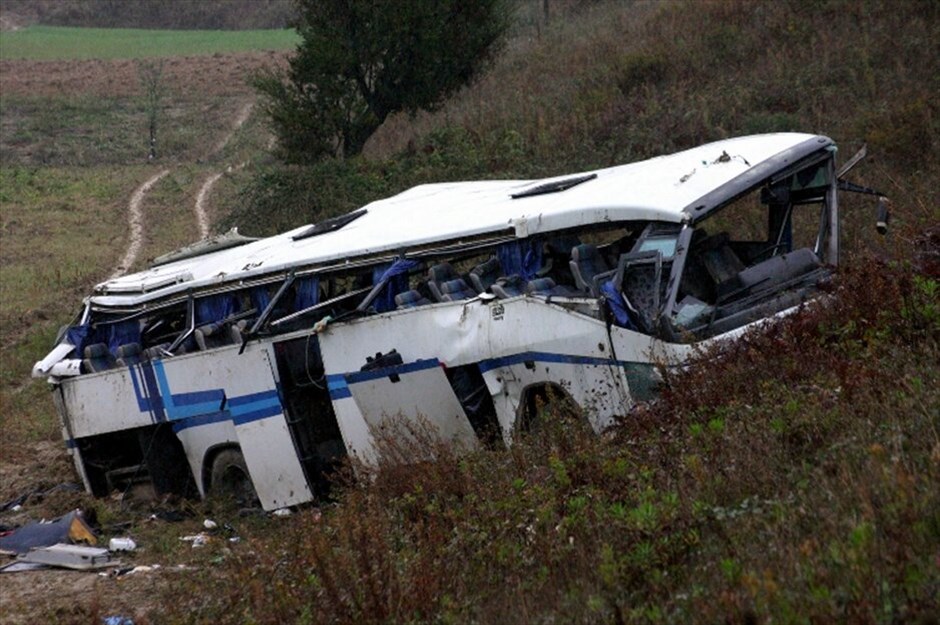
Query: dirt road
(135, 219)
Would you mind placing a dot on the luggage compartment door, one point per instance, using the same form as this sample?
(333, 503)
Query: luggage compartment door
(419, 394)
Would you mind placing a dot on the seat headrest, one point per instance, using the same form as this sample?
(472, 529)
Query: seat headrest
(489, 267)
(97, 350)
(583, 252)
(456, 285)
(442, 272)
(127, 350)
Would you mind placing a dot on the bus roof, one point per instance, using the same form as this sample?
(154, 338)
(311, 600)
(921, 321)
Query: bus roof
(657, 189)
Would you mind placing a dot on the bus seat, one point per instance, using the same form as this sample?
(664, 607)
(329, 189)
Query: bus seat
(237, 331)
(128, 354)
(410, 299)
(508, 287)
(438, 275)
(586, 263)
(97, 358)
(719, 259)
(455, 290)
(540, 286)
(770, 273)
(211, 335)
(155, 352)
(484, 275)
(547, 286)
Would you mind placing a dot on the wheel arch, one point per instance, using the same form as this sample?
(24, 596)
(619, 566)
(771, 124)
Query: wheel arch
(209, 458)
(550, 394)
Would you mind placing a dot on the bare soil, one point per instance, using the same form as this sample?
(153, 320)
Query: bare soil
(45, 473)
(215, 75)
(60, 595)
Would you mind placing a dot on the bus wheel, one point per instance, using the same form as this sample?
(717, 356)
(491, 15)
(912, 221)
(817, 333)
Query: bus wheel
(230, 478)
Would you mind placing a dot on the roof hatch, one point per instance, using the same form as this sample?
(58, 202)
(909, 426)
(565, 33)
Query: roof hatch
(329, 225)
(554, 186)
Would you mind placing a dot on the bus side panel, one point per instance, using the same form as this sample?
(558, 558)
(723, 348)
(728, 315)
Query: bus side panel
(596, 386)
(353, 426)
(199, 440)
(58, 400)
(535, 343)
(573, 350)
(223, 385)
(418, 394)
(109, 401)
(194, 391)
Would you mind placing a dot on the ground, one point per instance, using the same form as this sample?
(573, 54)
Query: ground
(77, 198)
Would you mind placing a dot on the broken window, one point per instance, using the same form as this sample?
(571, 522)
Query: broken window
(760, 254)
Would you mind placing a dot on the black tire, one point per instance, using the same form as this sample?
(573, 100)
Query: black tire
(230, 478)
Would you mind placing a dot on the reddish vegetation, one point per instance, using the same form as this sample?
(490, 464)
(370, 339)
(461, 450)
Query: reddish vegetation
(218, 74)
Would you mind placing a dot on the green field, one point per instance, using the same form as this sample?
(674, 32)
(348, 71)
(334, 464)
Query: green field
(54, 42)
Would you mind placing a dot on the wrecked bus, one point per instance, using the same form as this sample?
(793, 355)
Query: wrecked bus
(240, 362)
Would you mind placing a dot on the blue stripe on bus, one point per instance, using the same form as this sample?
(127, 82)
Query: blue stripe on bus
(148, 397)
(384, 372)
(258, 413)
(203, 419)
(515, 359)
(338, 383)
(246, 412)
(215, 396)
(248, 408)
(185, 405)
(241, 400)
(337, 386)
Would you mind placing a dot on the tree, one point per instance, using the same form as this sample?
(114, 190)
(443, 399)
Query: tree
(151, 80)
(361, 60)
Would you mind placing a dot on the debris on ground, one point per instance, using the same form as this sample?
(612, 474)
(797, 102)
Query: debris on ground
(122, 544)
(77, 557)
(198, 540)
(16, 504)
(70, 528)
(19, 565)
(131, 570)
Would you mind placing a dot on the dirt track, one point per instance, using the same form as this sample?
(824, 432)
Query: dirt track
(202, 216)
(135, 218)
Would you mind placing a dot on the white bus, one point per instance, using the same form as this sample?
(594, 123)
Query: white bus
(263, 362)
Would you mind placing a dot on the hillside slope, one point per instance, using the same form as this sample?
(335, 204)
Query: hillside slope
(612, 82)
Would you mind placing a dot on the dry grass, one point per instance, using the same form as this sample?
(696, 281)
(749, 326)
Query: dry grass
(792, 479)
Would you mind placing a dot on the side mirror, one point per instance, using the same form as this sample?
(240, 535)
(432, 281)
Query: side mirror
(884, 216)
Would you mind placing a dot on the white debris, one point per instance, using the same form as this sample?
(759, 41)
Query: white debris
(122, 544)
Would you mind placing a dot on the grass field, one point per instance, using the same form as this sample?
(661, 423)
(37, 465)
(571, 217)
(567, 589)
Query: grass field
(59, 43)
